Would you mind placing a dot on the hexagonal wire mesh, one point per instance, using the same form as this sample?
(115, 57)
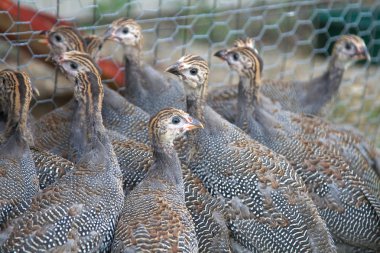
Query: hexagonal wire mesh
(294, 38)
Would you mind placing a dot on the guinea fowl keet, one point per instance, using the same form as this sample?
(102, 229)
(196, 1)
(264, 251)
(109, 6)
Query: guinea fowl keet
(18, 177)
(78, 213)
(343, 199)
(266, 202)
(155, 217)
(145, 87)
(299, 96)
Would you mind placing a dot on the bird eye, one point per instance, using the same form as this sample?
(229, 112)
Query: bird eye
(58, 38)
(193, 71)
(348, 46)
(73, 65)
(235, 56)
(125, 30)
(176, 120)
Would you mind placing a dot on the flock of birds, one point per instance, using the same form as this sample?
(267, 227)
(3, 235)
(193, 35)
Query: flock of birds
(163, 167)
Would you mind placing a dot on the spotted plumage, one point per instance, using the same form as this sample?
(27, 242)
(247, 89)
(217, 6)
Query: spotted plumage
(144, 86)
(266, 202)
(343, 199)
(78, 213)
(299, 96)
(18, 177)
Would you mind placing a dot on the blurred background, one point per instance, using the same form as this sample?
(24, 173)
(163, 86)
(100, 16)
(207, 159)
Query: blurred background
(294, 37)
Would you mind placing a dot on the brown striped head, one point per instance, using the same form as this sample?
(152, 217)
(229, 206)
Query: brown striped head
(15, 96)
(244, 61)
(74, 63)
(192, 70)
(348, 49)
(81, 69)
(63, 39)
(169, 124)
(125, 31)
(247, 42)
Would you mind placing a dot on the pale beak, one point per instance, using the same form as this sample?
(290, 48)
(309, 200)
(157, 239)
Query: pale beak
(35, 92)
(364, 54)
(192, 123)
(174, 69)
(110, 35)
(221, 54)
(43, 41)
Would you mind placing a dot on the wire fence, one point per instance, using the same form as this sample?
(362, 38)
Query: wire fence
(294, 38)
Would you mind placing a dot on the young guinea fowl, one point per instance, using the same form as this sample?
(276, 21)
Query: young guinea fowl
(223, 100)
(145, 87)
(267, 203)
(299, 96)
(155, 217)
(52, 130)
(344, 201)
(18, 177)
(79, 213)
(49, 167)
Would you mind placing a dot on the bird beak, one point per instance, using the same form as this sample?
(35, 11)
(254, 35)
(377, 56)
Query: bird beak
(221, 54)
(43, 40)
(364, 54)
(174, 69)
(192, 123)
(35, 92)
(110, 35)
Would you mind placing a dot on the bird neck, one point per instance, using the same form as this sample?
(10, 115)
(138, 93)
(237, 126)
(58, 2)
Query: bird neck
(326, 85)
(248, 99)
(87, 125)
(132, 55)
(166, 163)
(196, 100)
(132, 65)
(335, 73)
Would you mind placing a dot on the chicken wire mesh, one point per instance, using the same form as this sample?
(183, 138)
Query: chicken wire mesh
(294, 38)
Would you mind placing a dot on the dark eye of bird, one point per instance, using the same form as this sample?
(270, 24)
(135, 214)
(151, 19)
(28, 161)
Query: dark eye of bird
(193, 71)
(125, 30)
(58, 38)
(348, 46)
(73, 65)
(235, 56)
(176, 120)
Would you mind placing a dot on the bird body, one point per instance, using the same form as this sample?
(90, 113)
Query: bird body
(305, 141)
(155, 217)
(266, 202)
(78, 213)
(18, 176)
